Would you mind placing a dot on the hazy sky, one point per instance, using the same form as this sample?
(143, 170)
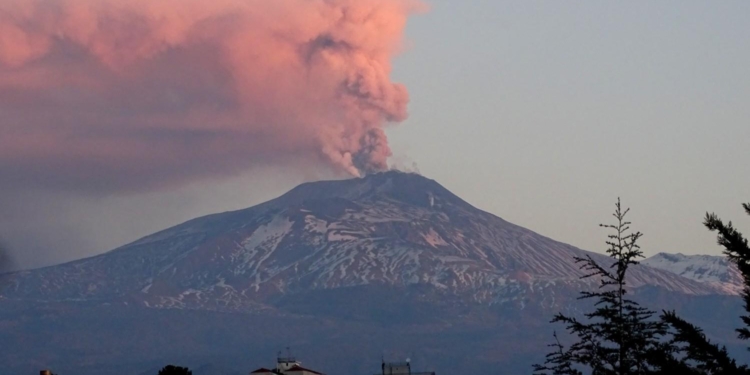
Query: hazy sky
(542, 113)
(545, 112)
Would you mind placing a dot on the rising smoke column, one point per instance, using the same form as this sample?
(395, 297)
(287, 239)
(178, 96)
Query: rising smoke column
(121, 94)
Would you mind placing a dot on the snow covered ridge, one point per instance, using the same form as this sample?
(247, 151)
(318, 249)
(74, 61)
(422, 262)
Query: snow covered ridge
(712, 270)
(389, 229)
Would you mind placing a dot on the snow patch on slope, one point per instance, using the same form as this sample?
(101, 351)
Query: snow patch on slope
(713, 270)
(254, 250)
(434, 239)
(269, 235)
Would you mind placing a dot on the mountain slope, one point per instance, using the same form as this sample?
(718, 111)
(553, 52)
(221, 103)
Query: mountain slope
(712, 270)
(392, 229)
(344, 272)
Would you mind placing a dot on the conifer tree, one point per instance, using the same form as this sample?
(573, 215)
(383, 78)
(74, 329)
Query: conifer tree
(693, 350)
(619, 336)
(692, 353)
(558, 361)
(175, 370)
(737, 250)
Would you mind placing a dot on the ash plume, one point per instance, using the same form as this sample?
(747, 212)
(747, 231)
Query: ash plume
(114, 95)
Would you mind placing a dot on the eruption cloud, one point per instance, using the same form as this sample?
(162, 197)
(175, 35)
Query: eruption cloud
(115, 95)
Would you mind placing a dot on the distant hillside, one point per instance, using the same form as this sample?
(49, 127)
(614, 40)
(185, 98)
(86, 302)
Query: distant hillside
(716, 271)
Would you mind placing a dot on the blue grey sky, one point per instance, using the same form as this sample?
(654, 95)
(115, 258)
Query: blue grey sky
(542, 113)
(545, 112)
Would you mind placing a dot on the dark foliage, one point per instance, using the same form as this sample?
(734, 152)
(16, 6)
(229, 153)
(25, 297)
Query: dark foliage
(619, 336)
(558, 362)
(697, 354)
(175, 370)
(737, 250)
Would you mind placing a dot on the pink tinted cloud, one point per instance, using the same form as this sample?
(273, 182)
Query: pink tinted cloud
(127, 94)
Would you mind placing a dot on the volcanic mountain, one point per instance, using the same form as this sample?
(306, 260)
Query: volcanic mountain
(713, 270)
(392, 257)
(396, 229)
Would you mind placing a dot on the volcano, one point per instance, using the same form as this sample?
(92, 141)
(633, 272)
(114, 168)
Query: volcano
(389, 255)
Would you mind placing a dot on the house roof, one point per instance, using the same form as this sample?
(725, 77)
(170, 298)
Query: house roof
(300, 368)
(261, 371)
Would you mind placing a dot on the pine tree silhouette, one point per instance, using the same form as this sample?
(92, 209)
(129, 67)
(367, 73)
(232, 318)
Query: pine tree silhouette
(175, 370)
(737, 250)
(619, 336)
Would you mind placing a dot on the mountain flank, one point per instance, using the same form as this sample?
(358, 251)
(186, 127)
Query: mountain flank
(343, 271)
